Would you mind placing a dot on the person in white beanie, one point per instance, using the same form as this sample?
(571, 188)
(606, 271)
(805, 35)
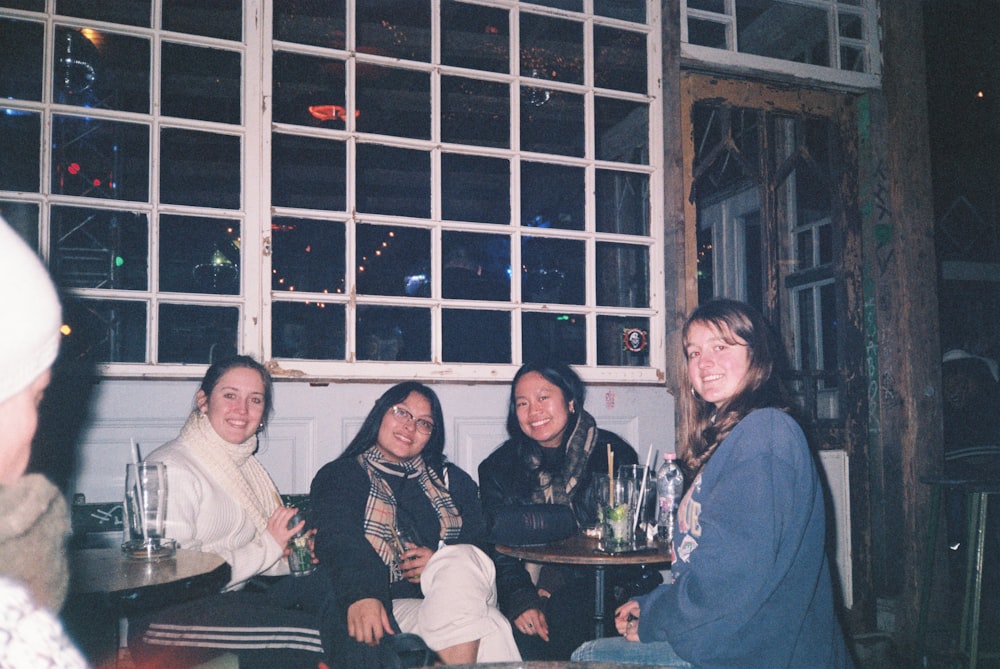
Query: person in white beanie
(34, 517)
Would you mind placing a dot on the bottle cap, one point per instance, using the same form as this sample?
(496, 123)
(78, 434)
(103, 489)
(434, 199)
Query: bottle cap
(669, 456)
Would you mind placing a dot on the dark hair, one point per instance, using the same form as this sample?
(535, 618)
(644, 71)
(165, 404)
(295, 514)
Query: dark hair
(367, 436)
(556, 373)
(220, 367)
(708, 424)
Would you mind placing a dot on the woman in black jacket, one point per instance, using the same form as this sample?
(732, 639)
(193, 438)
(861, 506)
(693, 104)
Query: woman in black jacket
(554, 449)
(397, 528)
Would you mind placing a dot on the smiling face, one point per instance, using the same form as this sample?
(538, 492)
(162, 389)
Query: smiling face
(398, 437)
(717, 362)
(542, 410)
(236, 406)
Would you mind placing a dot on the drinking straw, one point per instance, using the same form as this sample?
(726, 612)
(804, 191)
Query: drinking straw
(138, 486)
(642, 487)
(611, 476)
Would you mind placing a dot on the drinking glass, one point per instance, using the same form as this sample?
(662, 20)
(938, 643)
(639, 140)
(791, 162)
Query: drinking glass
(144, 512)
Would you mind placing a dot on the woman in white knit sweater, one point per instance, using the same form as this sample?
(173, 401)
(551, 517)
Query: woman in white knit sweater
(222, 501)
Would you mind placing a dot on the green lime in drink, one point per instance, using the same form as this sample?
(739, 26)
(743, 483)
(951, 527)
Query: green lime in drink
(617, 533)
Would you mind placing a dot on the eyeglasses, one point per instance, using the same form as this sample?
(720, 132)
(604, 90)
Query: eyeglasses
(403, 416)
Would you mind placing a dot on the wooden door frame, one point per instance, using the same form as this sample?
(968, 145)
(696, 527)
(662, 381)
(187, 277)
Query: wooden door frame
(851, 433)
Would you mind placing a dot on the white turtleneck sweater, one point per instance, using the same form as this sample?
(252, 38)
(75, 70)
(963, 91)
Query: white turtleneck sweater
(218, 500)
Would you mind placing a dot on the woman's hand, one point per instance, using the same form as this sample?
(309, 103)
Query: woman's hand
(277, 525)
(412, 562)
(627, 620)
(532, 622)
(368, 621)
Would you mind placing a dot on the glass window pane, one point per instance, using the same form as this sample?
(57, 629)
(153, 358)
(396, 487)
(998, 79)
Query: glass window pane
(392, 101)
(308, 330)
(622, 131)
(622, 275)
(622, 202)
(559, 337)
(554, 124)
(475, 112)
(475, 37)
(393, 181)
(717, 6)
(825, 232)
(553, 270)
(808, 358)
(850, 25)
(23, 217)
(21, 59)
(397, 29)
(623, 341)
(200, 168)
(99, 248)
(308, 256)
(30, 5)
(199, 255)
(619, 59)
(852, 60)
(219, 18)
(393, 333)
(393, 260)
(475, 188)
(552, 196)
(828, 325)
(308, 172)
(105, 330)
(476, 267)
(309, 91)
(780, 30)
(196, 334)
(317, 22)
(201, 83)
(128, 12)
(475, 336)
(20, 137)
(551, 48)
(707, 33)
(627, 10)
(804, 249)
(101, 69)
(98, 158)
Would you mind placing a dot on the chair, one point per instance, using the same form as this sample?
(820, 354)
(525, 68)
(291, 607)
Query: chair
(977, 493)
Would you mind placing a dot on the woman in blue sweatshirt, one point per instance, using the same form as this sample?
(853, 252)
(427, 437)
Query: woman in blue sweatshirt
(751, 580)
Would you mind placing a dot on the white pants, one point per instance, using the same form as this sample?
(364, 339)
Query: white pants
(459, 605)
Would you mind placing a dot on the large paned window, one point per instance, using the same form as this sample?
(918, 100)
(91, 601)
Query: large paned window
(440, 189)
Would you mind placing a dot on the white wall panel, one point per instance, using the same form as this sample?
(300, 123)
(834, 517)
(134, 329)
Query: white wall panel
(313, 423)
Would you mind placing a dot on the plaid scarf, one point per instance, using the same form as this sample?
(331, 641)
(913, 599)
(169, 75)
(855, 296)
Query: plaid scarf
(557, 487)
(380, 510)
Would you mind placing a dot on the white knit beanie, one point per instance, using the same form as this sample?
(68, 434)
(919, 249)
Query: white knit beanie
(30, 315)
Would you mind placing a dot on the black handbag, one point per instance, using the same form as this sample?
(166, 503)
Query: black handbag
(527, 524)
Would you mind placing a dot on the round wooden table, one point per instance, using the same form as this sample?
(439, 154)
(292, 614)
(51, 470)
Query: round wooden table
(130, 585)
(584, 550)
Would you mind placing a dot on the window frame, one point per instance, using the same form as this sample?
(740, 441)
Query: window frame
(256, 298)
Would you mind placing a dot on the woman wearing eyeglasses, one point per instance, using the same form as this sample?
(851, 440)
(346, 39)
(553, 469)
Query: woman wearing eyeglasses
(397, 533)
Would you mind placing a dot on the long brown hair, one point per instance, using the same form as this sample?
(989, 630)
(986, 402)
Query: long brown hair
(707, 424)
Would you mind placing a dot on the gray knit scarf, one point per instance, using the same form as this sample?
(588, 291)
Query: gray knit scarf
(34, 526)
(557, 487)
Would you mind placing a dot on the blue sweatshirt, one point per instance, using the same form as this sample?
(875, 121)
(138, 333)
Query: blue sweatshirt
(752, 583)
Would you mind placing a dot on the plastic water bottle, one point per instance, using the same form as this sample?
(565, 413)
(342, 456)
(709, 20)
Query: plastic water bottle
(669, 488)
